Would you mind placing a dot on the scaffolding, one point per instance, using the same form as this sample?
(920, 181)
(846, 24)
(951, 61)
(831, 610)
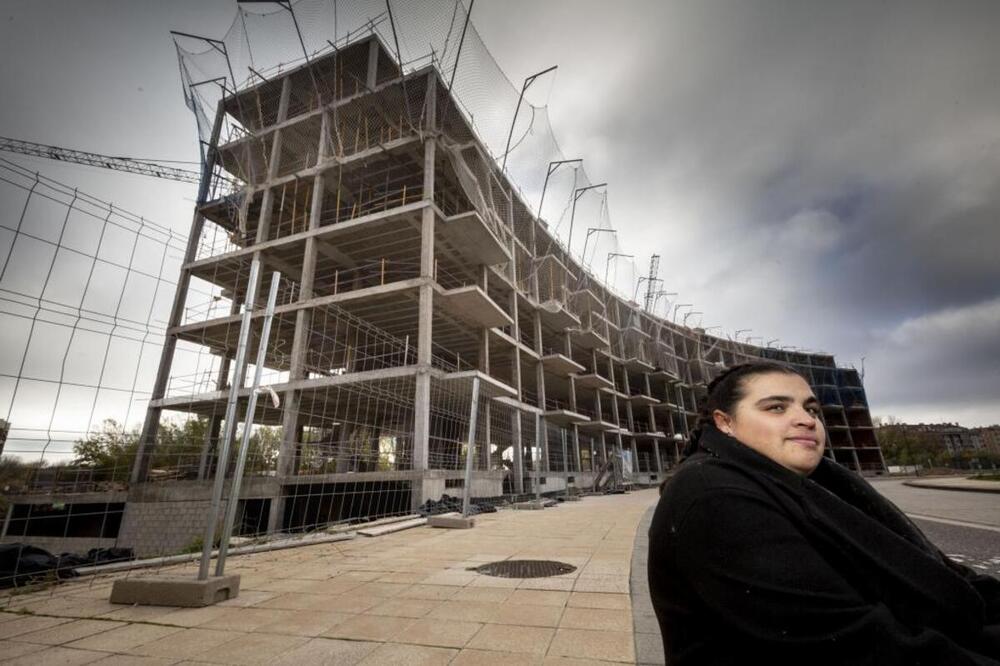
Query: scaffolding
(413, 269)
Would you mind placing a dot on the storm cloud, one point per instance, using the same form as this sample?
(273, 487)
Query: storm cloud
(825, 173)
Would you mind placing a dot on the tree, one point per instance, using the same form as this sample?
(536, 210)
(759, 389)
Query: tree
(109, 451)
(904, 445)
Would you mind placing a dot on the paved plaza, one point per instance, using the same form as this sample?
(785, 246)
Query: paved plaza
(404, 598)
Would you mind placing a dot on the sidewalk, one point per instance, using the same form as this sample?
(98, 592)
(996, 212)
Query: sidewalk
(404, 598)
(956, 483)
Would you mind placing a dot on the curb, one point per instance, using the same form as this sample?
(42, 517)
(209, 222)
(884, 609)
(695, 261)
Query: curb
(963, 489)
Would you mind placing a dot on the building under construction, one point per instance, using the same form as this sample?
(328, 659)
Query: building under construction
(410, 265)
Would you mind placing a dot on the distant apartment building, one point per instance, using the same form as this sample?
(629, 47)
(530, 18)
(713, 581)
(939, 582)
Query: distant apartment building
(950, 436)
(989, 437)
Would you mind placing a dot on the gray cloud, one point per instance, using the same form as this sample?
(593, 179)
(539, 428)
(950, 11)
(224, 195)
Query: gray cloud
(825, 173)
(822, 172)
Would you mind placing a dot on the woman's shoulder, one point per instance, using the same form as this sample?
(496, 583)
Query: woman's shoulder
(703, 474)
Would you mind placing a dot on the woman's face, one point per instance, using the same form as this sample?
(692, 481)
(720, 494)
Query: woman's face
(778, 417)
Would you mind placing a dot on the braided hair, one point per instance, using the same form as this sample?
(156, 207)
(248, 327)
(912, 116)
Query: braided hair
(727, 389)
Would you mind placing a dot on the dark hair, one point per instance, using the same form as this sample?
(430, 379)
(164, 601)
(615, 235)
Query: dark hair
(728, 388)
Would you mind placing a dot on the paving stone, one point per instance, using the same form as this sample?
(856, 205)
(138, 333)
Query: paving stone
(186, 644)
(490, 594)
(12, 649)
(133, 660)
(327, 651)
(306, 623)
(56, 656)
(439, 633)
(472, 611)
(124, 638)
(27, 624)
(597, 618)
(405, 607)
(392, 654)
(599, 600)
(527, 615)
(430, 592)
(469, 657)
(603, 645)
(370, 628)
(510, 638)
(70, 631)
(252, 649)
(539, 597)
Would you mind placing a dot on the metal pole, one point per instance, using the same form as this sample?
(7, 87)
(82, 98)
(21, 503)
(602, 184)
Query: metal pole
(586, 239)
(527, 82)
(607, 265)
(234, 490)
(577, 193)
(553, 167)
(223, 460)
(471, 446)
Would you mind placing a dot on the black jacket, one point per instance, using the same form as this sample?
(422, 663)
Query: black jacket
(749, 561)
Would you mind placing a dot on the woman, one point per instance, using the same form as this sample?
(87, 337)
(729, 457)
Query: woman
(761, 549)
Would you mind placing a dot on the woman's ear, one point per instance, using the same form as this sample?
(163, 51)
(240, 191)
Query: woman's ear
(723, 421)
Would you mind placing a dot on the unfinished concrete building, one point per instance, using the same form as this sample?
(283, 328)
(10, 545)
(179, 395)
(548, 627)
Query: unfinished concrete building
(410, 265)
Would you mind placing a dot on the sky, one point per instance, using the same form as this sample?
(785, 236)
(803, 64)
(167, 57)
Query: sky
(825, 174)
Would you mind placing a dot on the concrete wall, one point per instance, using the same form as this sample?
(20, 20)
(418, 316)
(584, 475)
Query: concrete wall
(163, 527)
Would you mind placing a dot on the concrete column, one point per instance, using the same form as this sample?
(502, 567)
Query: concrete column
(372, 73)
(576, 448)
(422, 392)
(518, 441)
(656, 454)
(540, 383)
(151, 423)
(289, 453)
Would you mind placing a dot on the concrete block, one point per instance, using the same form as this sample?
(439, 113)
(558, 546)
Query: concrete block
(451, 520)
(530, 505)
(392, 527)
(187, 592)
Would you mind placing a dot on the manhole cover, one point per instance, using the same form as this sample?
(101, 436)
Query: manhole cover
(524, 568)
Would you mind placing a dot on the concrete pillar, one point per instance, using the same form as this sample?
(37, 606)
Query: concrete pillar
(372, 73)
(151, 423)
(422, 392)
(656, 455)
(518, 441)
(576, 449)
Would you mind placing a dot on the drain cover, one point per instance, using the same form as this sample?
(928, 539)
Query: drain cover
(524, 568)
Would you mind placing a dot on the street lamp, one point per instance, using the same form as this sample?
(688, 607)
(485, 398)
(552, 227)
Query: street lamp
(527, 82)
(679, 306)
(684, 321)
(710, 328)
(770, 343)
(741, 330)
(577, 193)
(607, 264)
(553, 167)
(593, 230)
